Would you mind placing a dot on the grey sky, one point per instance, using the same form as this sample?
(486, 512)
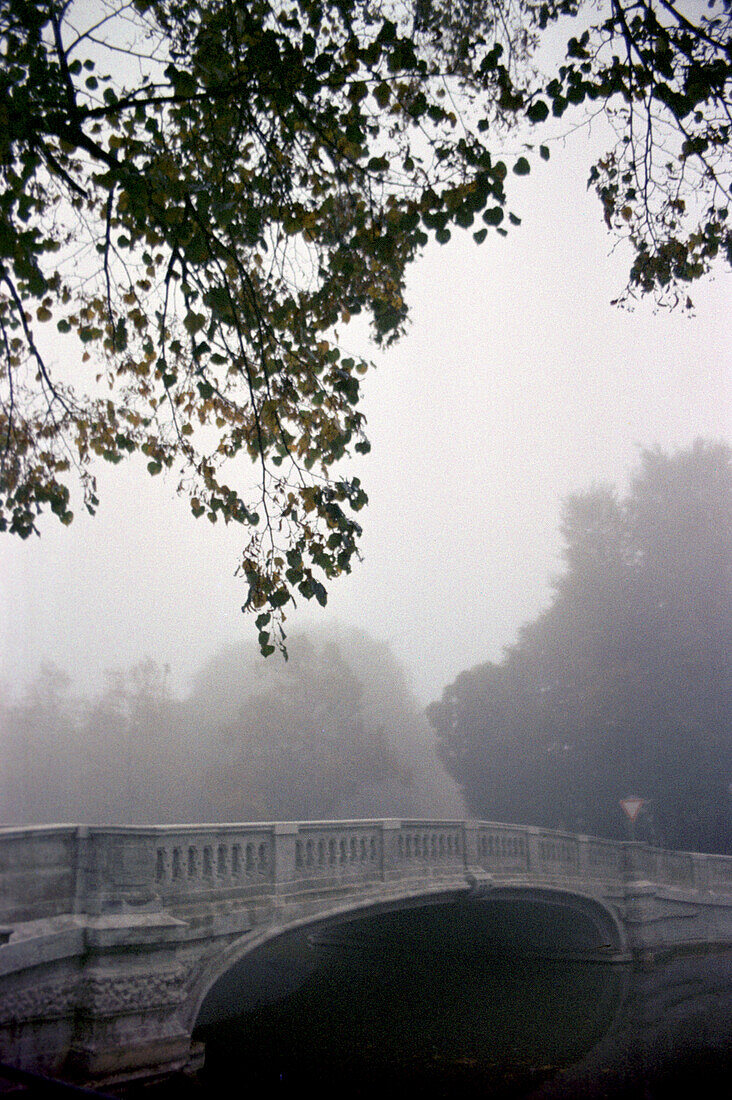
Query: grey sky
(517, 384)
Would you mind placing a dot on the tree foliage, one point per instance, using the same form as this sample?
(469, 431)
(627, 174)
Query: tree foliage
(661, 72)
(623, 684)
(198, 195)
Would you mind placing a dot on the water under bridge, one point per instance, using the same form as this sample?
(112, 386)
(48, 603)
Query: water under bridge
(116, 943)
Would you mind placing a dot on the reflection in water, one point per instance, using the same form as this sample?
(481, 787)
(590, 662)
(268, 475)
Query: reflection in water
(439, 1026)
(673, 1036)
(424, 1023)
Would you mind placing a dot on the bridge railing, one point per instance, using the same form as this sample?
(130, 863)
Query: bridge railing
(605, 859)
(195, 861)
(48, 871)
(193, 864)
(718, 873)
(37, 872)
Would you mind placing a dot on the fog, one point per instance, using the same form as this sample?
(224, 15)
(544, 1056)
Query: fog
(517, 384)
(331, 733)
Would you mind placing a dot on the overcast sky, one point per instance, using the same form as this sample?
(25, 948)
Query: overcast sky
(517, 384)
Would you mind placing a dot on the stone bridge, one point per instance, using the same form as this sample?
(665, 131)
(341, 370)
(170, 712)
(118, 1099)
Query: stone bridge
(115, 942)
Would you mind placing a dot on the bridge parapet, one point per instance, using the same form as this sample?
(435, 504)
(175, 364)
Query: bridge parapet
(38, 872)
(718, 872)
(291, 858)
(48, 871)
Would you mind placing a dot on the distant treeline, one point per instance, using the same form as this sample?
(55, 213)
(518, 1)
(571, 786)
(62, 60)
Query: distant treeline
(623, 684)
(334, 732)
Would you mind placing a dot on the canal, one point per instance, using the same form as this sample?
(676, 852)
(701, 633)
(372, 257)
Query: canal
(366, 1022)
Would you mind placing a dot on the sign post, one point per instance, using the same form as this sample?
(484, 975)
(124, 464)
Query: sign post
(632, 805)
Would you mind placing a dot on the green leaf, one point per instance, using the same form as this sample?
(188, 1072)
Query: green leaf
(358, 91)
(280, 597)
(382, 94)
(538, 111)
(320, 593)
(522, 167)
(194, 322)
(493, 216)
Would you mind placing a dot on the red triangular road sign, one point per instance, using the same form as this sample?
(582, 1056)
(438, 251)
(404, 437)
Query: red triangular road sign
(632, 805)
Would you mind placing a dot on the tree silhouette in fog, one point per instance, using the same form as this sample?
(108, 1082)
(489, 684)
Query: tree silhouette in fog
(333, 732)
(623, 683)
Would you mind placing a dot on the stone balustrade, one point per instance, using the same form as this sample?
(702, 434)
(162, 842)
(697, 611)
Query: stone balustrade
(50, 870)
(38, 872)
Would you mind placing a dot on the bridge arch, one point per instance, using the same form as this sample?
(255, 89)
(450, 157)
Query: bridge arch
(327, 916)
(597, 929)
